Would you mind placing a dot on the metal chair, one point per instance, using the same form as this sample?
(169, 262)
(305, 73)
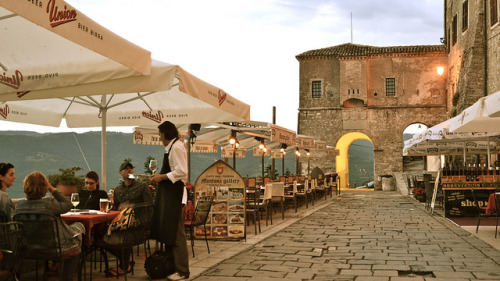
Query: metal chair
(482, 211)
(200, 216)
(134, 232)
(10, 237)
(251, 207)
(41, 240)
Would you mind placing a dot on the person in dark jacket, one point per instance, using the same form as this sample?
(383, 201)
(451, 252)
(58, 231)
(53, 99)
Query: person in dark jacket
(168, 222)
(90, 198)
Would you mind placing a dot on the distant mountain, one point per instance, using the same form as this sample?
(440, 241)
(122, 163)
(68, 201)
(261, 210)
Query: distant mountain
(361, 162)
(30, 151)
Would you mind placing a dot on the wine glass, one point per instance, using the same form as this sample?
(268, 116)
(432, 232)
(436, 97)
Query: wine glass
(75, 200)
(153, 165)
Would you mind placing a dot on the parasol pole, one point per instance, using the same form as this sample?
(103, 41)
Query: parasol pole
(489, 160)
(103, 141)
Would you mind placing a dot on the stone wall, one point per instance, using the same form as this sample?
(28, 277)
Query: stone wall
(356, 101)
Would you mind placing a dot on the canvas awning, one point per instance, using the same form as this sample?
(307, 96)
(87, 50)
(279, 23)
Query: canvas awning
(42, 49)
(169, 93)
(482, 116)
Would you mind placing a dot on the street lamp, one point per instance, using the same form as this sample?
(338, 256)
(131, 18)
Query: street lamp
(308, 153)
(283, 151)
(234, 142)
(191, 140)
(297, 153)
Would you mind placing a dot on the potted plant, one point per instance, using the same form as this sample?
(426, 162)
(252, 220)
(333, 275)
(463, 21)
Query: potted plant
(67, 181)
(419, 193)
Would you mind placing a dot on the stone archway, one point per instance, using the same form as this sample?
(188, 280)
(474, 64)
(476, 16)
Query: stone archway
(343, 158)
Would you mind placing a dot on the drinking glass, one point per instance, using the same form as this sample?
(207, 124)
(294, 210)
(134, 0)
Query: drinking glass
(103, 204)
(75, 200)
(153, 165)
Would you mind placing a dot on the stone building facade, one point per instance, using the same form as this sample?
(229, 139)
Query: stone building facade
(472, 38)
(375, 92)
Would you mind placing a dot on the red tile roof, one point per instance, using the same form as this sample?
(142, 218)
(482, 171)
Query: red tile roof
(355, 50)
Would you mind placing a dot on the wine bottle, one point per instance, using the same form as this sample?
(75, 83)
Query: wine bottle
(467, 173)
(490, 169)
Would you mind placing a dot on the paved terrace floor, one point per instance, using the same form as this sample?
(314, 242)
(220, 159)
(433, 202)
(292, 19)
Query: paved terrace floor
(363, 235)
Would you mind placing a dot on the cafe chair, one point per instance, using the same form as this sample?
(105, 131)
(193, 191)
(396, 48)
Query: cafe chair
(485, 211)
(135, 231)
(292, 196)
(201, 212)
(251, 208)
(320, 189)
(252, 182)
(10, 237)
(41, 240)
(278, 196)
(429, 190)
(301, 193)
(263, 205)
(267, 180)
(283, 179)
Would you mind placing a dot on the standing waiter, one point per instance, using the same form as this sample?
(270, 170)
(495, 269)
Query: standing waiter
(168, 222)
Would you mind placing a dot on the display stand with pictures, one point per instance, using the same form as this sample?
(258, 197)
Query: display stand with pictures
(226, 220)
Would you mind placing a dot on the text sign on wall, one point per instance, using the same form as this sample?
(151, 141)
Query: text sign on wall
(227, 216)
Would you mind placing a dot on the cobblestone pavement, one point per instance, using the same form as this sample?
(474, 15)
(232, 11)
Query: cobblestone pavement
(365, 236)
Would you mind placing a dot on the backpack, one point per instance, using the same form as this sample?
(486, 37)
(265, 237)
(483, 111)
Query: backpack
(158, 265)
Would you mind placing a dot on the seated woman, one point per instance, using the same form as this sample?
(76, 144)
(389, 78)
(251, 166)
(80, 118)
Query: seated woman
(35, 187)
(89, 199)
(7, 177)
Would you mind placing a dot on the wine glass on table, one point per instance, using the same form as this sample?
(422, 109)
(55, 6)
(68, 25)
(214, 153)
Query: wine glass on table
(75, 200)
(153, 166)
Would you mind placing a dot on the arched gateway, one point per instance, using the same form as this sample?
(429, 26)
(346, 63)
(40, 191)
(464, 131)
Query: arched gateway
(372, 93)
(343, 158)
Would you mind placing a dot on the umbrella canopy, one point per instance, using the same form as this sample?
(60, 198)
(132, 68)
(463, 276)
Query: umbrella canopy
(169, 93)
(439, 140)
(47, 44)
(482, 116)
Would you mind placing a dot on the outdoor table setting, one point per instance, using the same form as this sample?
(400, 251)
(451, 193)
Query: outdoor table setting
(89, 218)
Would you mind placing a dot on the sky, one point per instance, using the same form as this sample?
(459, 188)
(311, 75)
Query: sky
(248, 48)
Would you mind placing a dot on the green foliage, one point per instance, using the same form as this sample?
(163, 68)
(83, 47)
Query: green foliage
(68, 176)
(267, 172)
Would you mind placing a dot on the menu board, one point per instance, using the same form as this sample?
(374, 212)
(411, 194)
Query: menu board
(460, 203)
(227, 216)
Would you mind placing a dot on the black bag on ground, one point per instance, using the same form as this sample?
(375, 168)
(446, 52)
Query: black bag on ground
(158, 265)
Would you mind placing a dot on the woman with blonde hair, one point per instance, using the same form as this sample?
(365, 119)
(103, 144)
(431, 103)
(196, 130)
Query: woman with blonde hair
(36, 186)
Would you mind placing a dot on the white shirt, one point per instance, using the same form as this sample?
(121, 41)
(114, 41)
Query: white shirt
(177, 159)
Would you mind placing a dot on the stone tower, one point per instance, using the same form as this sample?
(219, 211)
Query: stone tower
(350, 92)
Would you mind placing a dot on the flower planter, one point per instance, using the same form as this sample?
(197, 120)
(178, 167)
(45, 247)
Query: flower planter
(67, 189)
(420, 198)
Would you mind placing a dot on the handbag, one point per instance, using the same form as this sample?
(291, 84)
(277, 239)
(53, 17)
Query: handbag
(158, 265)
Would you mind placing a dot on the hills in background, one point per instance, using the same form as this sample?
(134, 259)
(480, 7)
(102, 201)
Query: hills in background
(30, 151)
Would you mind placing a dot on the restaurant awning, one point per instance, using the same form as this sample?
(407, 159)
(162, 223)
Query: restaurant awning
(49, 44)
(482, 116)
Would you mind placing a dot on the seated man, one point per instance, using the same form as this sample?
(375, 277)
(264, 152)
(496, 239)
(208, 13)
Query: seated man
(129, 191)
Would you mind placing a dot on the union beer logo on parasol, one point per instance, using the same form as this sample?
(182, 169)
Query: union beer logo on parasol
(13, 81)
(155, 117)
(4, 111)
(58, 16)
(221, 96)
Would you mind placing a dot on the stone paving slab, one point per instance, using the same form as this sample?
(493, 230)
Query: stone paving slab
(365, 236)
